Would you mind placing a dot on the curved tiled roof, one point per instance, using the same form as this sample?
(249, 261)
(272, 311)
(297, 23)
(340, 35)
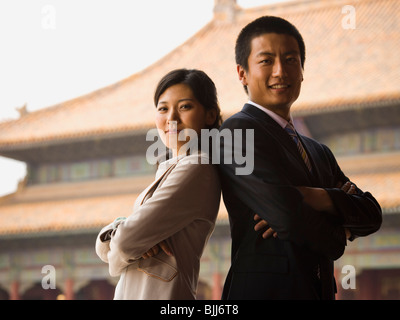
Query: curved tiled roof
(344, 68)
(68, 214)
(94, 204)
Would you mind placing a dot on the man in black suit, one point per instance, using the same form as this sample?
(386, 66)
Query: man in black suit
(296, 189)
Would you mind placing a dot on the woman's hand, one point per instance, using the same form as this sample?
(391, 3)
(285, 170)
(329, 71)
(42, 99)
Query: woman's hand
(156, 249)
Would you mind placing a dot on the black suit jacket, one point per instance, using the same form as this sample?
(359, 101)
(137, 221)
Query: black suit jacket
(286, 267)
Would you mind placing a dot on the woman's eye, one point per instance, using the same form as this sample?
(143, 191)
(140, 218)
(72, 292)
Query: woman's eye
(185, 106)
(162, 109)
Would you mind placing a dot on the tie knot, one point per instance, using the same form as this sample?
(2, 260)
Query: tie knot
(290, 129)
(290, 125)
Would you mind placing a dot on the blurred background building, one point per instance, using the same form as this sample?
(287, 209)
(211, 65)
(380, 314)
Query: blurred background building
(86, 157)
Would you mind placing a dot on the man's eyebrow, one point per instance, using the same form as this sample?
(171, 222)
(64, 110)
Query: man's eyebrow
(292, 52)
(266, 53)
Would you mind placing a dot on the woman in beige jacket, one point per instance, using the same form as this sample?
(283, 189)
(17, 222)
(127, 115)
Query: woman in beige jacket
(178, 210)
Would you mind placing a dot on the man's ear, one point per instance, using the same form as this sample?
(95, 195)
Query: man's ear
(242, 74)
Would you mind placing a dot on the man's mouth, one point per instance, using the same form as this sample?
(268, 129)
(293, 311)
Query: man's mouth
(279, 86)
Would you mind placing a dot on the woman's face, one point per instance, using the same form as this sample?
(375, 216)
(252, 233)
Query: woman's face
(178, 109)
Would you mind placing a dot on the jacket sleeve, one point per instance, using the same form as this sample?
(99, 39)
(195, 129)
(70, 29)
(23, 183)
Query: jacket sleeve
(102, 246)
(103, 242)
(268, 192)
(177, 202)
(359, 212)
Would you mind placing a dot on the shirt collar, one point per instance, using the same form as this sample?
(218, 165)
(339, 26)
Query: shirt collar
(282, 122)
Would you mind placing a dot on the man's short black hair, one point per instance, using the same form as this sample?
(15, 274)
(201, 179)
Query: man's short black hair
(260, 26)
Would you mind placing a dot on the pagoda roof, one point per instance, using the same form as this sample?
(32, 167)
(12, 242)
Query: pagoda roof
(345, 68)
(89, 206)
(71, 207)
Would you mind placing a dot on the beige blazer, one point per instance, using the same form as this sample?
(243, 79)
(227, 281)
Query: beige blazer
(181, 207)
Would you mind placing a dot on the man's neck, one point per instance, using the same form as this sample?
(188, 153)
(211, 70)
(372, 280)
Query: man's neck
(281, 120)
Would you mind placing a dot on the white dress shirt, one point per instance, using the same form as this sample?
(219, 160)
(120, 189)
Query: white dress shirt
(281, 121)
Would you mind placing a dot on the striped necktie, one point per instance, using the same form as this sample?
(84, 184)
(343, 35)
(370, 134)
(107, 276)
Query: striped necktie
(292, 132)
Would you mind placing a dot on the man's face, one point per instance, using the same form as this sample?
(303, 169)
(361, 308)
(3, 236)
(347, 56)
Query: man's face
(274, 74)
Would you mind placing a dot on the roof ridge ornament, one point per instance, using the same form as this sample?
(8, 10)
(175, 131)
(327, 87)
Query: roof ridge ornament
(23, 111)
(225, 11)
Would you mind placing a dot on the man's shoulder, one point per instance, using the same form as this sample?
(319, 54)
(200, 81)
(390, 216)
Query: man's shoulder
(238, 115)
(319, 146)
(313, 141)
(239, 119)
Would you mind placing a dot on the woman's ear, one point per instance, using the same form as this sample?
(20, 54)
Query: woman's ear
(211, 117)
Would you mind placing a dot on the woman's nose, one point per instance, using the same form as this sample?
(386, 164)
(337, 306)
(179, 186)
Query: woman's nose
(173, 115)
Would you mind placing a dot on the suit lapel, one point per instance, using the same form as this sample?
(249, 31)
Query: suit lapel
(321, 172)
(280, 135)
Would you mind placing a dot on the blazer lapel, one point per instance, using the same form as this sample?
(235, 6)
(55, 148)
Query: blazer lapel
(156, 183)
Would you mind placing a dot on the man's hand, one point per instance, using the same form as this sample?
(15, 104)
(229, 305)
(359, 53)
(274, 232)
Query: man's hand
(349, 188)
(317, 198)
(156, 249)
(262, 225)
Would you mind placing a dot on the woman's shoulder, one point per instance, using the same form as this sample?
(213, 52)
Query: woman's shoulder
(198, 164)
(194, 164)
(195, 158)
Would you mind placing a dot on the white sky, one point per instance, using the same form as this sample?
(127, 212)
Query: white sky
(55, 50)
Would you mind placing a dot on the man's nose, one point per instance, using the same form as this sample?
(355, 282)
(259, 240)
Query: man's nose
(279, 69)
